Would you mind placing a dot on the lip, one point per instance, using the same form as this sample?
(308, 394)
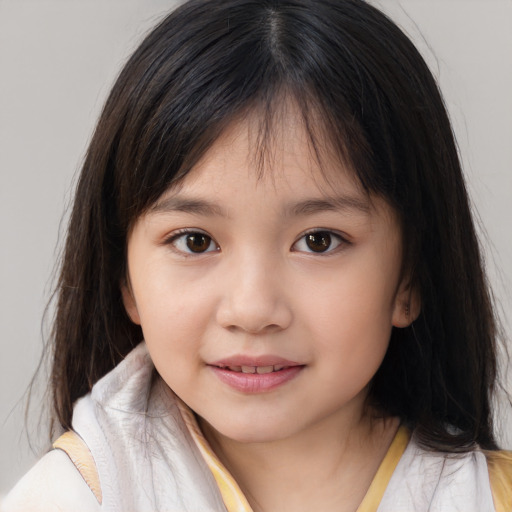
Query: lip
(245, 360)
(255, 382)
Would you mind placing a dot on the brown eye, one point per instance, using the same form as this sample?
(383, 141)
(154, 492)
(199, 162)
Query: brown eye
(198, 242)
(319, 241)
(193, 242)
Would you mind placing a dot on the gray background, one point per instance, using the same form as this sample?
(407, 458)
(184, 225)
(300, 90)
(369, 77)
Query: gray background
(58, 59)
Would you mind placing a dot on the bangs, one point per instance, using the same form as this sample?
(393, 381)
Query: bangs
(181, 90)
(165, 157)
(269, 117)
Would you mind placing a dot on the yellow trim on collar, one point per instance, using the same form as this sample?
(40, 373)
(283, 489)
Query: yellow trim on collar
(380, 481)
(76, 449)
(499, 464)
(233, 497)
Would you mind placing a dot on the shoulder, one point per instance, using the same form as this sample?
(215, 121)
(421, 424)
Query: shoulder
(52, 484)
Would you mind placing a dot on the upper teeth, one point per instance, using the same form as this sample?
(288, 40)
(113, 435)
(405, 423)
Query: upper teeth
(257, 369)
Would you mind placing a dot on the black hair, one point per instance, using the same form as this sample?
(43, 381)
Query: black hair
(354, 72)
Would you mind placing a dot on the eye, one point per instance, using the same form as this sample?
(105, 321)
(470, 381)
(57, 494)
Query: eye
(318, 242)
(194, 242)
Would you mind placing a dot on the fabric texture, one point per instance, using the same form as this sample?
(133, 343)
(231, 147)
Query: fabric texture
(150, 455)
(144, 454)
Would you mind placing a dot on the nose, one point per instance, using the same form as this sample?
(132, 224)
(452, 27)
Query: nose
(254, 298)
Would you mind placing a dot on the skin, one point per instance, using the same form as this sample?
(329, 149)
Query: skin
(258, 289)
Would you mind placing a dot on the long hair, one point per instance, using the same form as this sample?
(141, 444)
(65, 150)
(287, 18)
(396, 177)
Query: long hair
(353, 72)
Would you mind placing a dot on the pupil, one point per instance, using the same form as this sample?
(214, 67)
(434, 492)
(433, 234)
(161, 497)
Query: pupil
(198, 242)
(318, 242)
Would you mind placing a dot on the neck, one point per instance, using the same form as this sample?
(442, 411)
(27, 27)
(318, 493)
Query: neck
(326, 467)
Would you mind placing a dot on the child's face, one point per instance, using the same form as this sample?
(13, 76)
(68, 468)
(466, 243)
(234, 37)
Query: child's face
(232, 270)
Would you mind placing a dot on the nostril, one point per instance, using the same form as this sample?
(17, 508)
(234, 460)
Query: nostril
(253, 313)
(254, 330)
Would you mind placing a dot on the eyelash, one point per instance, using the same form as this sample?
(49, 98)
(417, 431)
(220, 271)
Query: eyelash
(328, 234)
(182, 234)
(341, 241)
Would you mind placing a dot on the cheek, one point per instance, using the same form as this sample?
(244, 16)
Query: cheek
(175, 312)
(356, 297)
(350, 312)
(169, 299)
(352, 342)
(173, 337)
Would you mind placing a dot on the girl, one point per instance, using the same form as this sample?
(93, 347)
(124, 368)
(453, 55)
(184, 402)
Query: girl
(273, 202)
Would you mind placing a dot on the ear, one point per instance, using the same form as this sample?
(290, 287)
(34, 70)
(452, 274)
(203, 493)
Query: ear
(129, 302)
(407, 306)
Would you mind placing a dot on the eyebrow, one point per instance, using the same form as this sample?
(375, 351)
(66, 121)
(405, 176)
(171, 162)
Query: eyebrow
(301, 208)
(188, 205)
(339, 203)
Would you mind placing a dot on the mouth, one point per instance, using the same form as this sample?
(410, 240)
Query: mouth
(256, 375)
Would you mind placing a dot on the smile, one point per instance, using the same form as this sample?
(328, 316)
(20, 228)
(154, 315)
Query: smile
(251, 376)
